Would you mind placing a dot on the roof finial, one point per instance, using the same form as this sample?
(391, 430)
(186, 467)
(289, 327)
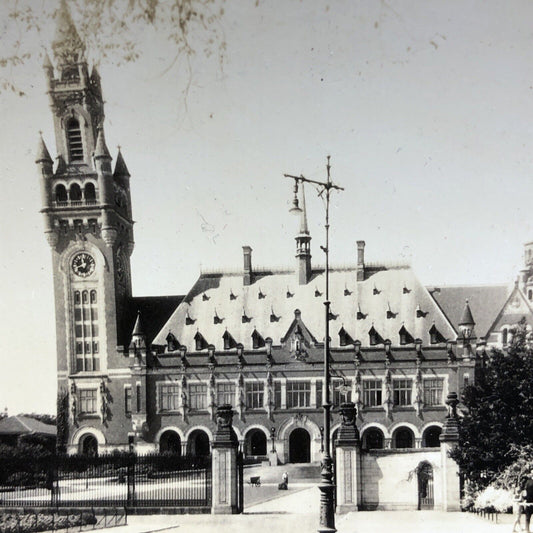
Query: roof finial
(304, 229)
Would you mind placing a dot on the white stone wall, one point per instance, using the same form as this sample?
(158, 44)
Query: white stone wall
(389, 480)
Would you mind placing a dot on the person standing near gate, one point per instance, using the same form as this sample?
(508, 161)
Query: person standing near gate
(285, 478)
(528, 504)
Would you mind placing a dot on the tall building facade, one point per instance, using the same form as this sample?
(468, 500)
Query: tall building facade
(150, 372)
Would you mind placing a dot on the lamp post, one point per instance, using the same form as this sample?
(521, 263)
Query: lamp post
(327, 510)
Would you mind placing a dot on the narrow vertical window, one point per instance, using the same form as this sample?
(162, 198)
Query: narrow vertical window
(127, 400)
(74, 140)
(139, 398)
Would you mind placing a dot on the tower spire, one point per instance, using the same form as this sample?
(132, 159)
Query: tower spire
(67, 45)
(303, 244)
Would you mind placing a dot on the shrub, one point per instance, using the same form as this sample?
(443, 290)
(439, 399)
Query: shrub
(494, 499)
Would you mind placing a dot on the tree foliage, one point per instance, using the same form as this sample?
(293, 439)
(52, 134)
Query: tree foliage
(111, 30)
(499, 418)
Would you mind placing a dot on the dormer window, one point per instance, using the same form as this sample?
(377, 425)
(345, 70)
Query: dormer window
(229, 341)
(435, 336)
(374, 337)
(344, 338)
(199, 341)
(257, 340)
(405, 336)
(74, 141)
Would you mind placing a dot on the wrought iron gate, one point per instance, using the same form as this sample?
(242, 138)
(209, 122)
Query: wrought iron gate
(425, 487)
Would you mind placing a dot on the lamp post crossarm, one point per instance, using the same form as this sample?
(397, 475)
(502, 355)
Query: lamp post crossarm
(325, 184)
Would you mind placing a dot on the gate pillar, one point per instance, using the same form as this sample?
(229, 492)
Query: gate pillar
(224, 471)
(450, 470)
(348, 461)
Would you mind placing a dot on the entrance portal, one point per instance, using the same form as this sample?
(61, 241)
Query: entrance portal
(425, 486)
(170, 442)
(299, 446)
(198, 443)
(89, 446)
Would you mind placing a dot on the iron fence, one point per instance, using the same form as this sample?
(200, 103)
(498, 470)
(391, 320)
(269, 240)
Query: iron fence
(121, 480)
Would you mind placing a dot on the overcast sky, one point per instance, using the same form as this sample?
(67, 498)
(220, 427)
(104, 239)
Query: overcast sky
(424, 107)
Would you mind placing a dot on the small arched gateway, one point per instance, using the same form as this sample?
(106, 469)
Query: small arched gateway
(255, 443)
(425, 486)
(299, 446)
(170, 442)
(88, 445)
(198, 443)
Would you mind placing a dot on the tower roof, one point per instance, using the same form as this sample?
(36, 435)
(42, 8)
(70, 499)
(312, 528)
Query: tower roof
(467, 319)
(138, 330)
(42, 152)
(120, 167)
(67, 44)
(101, 147)
(47, 63)
(304, 229)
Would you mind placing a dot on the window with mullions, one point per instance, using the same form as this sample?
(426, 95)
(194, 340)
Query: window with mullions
(339, 396)
(225, 393)
(127, 400)
(86, 331)
(277, 394)
(88, 401)
(319, 400)
(198, 397)
(402, 389)
(169, 397)
(298, 394)
(74, 140)
(372, 393)
(433, 391)
(254, 395)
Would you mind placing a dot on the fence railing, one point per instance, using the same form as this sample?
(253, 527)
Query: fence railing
(122, 480)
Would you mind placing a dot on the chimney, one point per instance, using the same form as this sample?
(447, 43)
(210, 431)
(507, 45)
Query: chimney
(247, 274)
(360, 260)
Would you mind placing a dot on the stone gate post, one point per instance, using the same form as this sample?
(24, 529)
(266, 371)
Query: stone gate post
(348, 461)
(449, 438)
(224, 471)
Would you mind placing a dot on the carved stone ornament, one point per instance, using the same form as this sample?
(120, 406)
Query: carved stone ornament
(348, 433)
(224, 436)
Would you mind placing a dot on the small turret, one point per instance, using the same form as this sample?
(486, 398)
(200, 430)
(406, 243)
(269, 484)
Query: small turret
(138, 338)
(303, 245)
(121, 170)
(101, 151)
(466, 324)
(46, 167)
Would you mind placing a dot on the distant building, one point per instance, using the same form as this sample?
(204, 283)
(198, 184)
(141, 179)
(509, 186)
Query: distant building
(149, 372)
(13, 428)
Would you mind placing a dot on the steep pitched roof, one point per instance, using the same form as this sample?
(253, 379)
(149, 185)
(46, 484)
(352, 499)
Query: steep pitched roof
(268, 306)
(155, 311)
(25, 425)
(485, 302)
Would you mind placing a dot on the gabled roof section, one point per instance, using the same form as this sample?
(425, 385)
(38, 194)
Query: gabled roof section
(120, 166)
(512, 311)
(25, 425)
(298, 327)
(485, 301)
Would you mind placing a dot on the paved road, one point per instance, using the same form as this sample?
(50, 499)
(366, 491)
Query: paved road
(297, 512)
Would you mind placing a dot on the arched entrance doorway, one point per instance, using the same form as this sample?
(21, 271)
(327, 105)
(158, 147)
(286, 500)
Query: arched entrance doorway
(299, 446)
(89, 446)
(170, 442)
(425, 486)
(373, 439)
(431, 437)
(198, 443)
(255, 443)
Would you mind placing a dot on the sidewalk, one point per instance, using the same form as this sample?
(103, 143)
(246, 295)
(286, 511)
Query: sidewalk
(299, 513)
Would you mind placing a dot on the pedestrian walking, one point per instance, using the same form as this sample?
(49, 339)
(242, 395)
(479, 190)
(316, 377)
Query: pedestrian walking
(519, 499)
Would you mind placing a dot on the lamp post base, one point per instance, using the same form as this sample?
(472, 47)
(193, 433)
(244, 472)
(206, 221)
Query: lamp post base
(327, 488)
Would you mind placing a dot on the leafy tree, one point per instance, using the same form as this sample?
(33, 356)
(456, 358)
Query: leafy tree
(499, 418)
(111, 30)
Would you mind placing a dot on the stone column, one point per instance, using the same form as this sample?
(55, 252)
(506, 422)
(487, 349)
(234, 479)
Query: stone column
(348, 457)
(224, 472)
(450, 469)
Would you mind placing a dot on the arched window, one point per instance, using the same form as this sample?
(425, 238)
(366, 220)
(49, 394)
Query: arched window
(403, 438)
(431, 437)
(75, 193)
(74, 141)
(61, 193)
(89, 192)
(373, 439)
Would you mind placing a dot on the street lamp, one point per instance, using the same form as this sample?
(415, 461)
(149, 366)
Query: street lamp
(327, 510)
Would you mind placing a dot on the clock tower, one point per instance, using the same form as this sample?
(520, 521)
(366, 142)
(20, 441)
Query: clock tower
(88, 225)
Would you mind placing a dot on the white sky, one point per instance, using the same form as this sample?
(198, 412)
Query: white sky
(424, 107)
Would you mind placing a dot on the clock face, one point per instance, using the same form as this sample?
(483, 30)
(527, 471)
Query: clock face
(83, 265)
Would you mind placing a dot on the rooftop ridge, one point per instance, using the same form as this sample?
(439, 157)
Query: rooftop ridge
(341, 267)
